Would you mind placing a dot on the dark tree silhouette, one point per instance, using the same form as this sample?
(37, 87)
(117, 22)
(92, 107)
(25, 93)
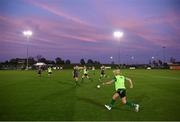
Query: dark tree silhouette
(90, 61)
(59, 60)
(68, 61)
(172, 60)
(82, 62)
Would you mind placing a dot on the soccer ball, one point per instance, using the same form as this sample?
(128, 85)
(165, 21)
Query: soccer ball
(98, 86)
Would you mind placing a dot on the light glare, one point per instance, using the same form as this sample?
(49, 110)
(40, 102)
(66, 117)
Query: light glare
(118, 34)
(27, 33)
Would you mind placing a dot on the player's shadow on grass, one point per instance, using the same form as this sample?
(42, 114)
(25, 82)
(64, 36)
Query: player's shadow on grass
(90, 101)
(65, 83)
(54, 95)
(87, 100)
(141, 97)
(58, 93)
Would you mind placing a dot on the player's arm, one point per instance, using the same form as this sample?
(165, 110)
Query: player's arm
(130, 82)
(108, 82)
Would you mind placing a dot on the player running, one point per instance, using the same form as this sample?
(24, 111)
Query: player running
(119, 81)
(103, 74)
(39, 71)
(49, 71)
(75, 75)
(85, 75)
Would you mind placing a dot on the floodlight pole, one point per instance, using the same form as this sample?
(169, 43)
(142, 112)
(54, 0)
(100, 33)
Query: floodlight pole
(164, 58)
(27, 64)
(119, 52)
(27, 34)
(112, 61)
(118, 35)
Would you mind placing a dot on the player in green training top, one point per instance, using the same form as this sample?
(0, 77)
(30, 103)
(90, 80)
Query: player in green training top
(49, 71)
(119, 81)
(85, 74)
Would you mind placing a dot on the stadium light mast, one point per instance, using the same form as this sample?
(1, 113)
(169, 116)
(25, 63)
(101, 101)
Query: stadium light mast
(27, 34)
(164, 57)
(132, 58)
(111, 59)
(118, 35)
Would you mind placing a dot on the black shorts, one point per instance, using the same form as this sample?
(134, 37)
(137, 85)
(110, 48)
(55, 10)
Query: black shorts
(121, 92)
(39, 72)
(86, 75)
(75, 76)
(49, 72)
(102, 73)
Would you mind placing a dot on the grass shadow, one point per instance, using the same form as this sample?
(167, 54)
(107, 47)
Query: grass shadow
(90, 101)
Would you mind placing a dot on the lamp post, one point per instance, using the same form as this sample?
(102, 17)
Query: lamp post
(164, 57)
(118, 35)
(112, 62)
(27, 34)
(132, 58)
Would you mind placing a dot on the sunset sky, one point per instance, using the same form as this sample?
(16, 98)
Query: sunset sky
(75, 29)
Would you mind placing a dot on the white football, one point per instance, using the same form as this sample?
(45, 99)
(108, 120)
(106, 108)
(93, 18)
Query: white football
(98, 86)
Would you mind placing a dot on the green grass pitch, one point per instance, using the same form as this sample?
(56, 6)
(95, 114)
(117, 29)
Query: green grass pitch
(25, 96)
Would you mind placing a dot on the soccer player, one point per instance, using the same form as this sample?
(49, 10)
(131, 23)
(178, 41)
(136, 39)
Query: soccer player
(102, 72)
(85, 75)
(119, 81)
(75, 74)
(49, 71)
(39, 71)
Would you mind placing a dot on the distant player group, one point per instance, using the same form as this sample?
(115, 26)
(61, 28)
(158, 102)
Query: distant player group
(118, 80)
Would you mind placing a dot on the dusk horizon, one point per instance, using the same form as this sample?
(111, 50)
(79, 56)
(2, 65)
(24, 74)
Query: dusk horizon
(84, 29)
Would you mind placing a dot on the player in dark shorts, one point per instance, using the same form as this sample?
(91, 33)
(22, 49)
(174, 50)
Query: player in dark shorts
(120, 90)
(85, 75)
(39, 71)
(103, 74)
(75, 75)
(49, 71)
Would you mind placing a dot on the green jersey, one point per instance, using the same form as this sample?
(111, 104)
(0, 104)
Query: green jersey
(85, 71)
(49, 70)
(119, 82)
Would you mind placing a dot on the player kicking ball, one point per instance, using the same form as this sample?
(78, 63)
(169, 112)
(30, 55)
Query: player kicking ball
(49, 71)
(75, 75)
(85, 75)
(119, 81)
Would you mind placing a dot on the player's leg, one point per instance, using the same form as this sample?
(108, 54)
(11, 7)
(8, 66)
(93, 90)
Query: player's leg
(105, 75)
(39, 72)
(76, 81)
(89, 78)
(100, 77)
(82, 79)
(127, 103)
(114, 98)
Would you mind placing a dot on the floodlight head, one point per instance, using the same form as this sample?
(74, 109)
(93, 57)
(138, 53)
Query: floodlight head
(111, 57)
(152, 57)
(27, 33)
(118, 34)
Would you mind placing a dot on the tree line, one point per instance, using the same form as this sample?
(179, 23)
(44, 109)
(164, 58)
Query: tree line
(39, 58)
